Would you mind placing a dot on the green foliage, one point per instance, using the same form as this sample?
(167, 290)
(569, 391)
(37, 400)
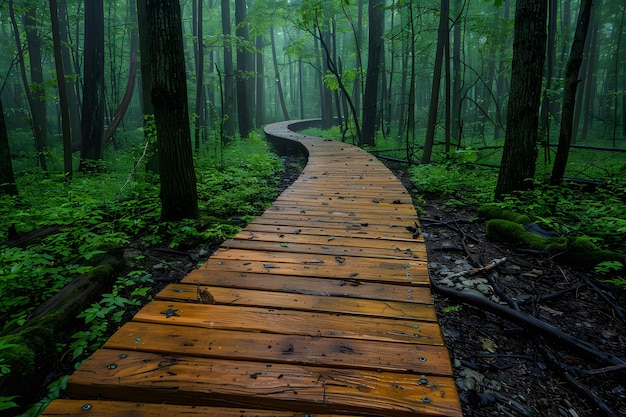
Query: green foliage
(459, 184)
(128, 292)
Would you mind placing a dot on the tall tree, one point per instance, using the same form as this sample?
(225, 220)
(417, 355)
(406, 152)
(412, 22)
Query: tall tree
(569, 94)
(228, 99)
(199, 116)
(7, 178)
(442, 41)
(36, 71)
(92, 126)
(374, 61)
(529, 50)
(40, 141)
(73, 99)
(62, 86)
(244, 113)
(178, 194)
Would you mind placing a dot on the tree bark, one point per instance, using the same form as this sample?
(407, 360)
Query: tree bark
(199, 121)
(244, 115)
(7, 178)
(73, 100)
(40, 143)
(92, 127)
(529, 49)
(228, 114)
(374, 61)
(260, 83)
(36, 73)
(569, 94)
(169, 96)
(279, 85)
(442, 40)
(62, 86)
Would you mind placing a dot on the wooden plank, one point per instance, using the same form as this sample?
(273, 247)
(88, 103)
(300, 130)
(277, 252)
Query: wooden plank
(99, 408)
(328, 239)
(187, 380)
(370, 355)
(331, 230)
(321, 249)
(292, 322)
(353, 288)
(413, 276)
(302, 302)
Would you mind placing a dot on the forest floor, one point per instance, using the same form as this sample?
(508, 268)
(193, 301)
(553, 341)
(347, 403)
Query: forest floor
(502, 369)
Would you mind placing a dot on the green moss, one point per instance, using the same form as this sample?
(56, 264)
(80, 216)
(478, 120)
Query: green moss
(493, 211)
(583, 252)
(106, 271)
(506, 231)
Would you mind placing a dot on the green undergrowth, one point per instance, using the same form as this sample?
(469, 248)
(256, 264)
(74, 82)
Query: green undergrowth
(79, 222)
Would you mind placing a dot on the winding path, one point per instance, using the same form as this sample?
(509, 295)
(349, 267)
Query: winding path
(321, 306)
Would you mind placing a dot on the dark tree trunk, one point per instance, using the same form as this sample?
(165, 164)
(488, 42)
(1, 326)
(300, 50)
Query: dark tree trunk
(7, 179)
(260, 83)
(279, 85)
(374, 60)
(36, 73)
(40, 142)
(244, 115)
(529, 50)
(456, 122)
(442, 40)
(169, 96)
(93, 93)
(569, 94)
(63, 101)
(199, 117)
(228, 105)
(73, 101)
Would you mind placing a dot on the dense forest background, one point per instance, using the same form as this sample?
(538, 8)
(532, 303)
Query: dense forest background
(122, 120)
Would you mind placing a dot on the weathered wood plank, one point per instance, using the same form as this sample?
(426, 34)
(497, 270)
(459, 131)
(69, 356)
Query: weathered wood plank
(353, 288)
(213, 382)
(331, 230)
(370, 355)
(302, 302)
(292, 322)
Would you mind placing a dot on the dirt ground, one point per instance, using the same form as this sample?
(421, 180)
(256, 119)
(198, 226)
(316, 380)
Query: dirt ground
(507, 369)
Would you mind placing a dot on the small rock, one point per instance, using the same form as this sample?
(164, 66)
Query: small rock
(467, 283)
(474, 292)
(538, 272)
(485, 289)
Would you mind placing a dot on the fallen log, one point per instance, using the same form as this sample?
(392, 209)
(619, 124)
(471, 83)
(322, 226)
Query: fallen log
(564, 340)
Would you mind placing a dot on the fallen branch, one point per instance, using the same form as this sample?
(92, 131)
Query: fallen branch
(474, 271)
(616, 309)
(531, 323)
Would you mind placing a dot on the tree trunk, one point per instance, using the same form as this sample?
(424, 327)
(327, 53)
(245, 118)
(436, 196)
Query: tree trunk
(7, 178)
(169, 96)
(374, 61)
(529, 50)
(40, 142)
(228, 105)
(199, 113)
(456, 121)
(281, 95)
(442, 40)
(93, 93)
(260, 83)
(569, 94)
(244, 115)
(73, 100)
(63, 101)
(36, 73)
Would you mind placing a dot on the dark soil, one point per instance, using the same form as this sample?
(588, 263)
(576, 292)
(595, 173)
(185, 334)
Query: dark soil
(505, 369)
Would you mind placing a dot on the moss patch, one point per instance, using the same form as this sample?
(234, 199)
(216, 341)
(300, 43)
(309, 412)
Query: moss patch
(493, 211)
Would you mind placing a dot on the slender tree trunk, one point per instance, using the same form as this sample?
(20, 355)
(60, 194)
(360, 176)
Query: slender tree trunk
(260, 83)
(7, 178)
(40, 142)
(442, 40)
(244, 115)
(279, 85)
(529, 50)
(63, 101)
(456, 122)
(228, 104)
(169, 96)
(73, 100)
(36, 73)
(374, 61)
(569, 97)
(546, 104)
(199, 116)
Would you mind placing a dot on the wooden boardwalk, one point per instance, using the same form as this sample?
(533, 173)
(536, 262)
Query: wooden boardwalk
(321, 306)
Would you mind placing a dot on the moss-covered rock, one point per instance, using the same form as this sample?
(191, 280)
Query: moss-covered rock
(493, 211)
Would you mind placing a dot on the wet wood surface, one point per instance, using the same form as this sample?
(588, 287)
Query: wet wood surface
(321, 306)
